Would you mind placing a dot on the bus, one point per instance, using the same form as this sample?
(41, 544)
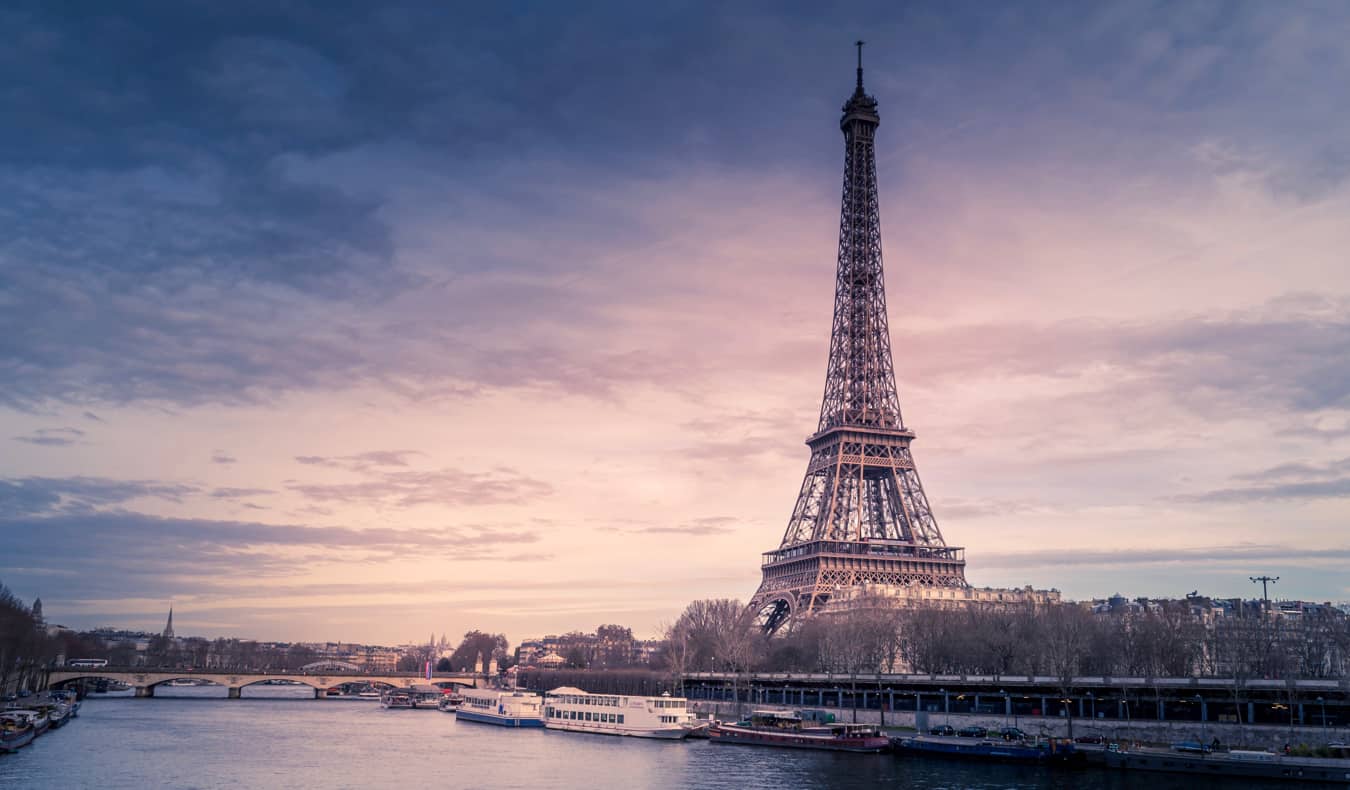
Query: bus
(87, 662)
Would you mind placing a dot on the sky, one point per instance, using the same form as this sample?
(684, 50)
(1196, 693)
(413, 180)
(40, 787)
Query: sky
(364, 323)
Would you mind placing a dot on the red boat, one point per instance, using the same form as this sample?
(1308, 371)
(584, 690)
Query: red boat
(774, 728)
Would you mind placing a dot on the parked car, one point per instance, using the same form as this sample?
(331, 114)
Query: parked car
(972, 732)
(1011, 734)
(942, 729)
(1089, 739)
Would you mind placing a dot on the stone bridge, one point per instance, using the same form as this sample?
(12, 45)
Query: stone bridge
(145, 679)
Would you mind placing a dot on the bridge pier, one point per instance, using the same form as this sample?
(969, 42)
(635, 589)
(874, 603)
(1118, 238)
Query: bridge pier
(145, 691)
(233, 692)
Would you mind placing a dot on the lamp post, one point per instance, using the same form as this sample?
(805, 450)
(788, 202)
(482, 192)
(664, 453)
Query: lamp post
(947, 710)
(1323, 705)
(1092, 701)
(1007, 706)
(1200, 713)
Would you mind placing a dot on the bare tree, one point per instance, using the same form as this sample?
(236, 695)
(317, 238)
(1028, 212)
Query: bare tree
(1067, 635)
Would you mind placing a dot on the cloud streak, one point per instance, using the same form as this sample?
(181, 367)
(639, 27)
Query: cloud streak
(53, 437)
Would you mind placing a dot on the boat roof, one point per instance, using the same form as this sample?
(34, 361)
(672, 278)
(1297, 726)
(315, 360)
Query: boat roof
(568, 690)
(775, 714)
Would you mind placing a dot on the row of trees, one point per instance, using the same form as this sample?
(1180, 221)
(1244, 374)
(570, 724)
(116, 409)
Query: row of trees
(24, 646)
(222, 654)
(1059, 641)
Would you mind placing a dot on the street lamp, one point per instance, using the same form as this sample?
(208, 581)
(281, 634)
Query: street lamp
(1323, 704)
(1093, 702)
(1200, 713)
(946, 707)
(1007, 706)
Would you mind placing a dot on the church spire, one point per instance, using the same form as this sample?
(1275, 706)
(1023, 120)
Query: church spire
(168, 627)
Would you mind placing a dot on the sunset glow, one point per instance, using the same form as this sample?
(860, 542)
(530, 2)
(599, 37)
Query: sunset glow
(372, 326)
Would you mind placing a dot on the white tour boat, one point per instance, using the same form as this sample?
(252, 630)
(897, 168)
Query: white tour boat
(503, 708)
(575, 710)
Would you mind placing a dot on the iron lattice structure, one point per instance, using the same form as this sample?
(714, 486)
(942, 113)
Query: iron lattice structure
(862, 516)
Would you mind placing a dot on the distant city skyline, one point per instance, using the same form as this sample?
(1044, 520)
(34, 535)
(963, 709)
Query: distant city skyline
(359, 326)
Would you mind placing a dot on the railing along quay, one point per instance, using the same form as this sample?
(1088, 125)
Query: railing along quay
(1301, 702)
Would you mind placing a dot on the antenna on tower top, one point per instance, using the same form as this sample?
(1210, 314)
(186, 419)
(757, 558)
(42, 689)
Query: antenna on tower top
(859, 44)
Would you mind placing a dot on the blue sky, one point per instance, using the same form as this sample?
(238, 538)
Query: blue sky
(358, 323)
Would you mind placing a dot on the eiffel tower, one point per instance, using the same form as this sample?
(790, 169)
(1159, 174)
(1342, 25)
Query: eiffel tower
(862, 516)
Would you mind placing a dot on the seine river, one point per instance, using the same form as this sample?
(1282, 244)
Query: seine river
(256, 742)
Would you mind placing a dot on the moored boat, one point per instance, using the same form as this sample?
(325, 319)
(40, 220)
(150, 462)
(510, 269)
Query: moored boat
(412, 698)
(69, 698)
(574, 710)
(35, 719)
(16, 731)
(788, 730)
(1049, 750)
(1232, 764)
(57, 714)
(41, 723)
(501, 707)
(449, 703)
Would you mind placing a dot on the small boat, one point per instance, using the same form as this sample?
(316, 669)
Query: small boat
(501, 707)
(190, 682)
(1049, 750)
(15, 732)
(449, 703)
(369, 693)
(776, 728)
(412, 698)
(575, 710)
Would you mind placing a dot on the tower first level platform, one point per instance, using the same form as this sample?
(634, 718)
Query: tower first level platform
(805, 577)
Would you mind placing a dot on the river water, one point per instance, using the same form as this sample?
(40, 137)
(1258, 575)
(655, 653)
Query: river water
(191, 738)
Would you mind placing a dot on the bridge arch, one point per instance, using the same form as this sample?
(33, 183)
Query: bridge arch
(92, 676)
(331, 665)
(295, 680)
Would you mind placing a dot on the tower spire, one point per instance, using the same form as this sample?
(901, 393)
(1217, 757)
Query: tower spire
(168, 627)
(859, 43)
(862, 516)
